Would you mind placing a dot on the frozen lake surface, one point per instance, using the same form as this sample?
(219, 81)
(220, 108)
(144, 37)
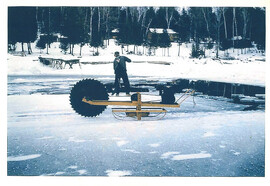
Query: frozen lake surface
(46, 137)
(62, 84)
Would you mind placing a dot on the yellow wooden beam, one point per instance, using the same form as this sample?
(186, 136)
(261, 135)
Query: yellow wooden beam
(129, 103)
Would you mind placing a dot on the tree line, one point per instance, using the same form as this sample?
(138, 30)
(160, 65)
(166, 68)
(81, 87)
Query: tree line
(219, 27)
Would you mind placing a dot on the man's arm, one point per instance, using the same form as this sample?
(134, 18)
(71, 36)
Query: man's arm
(114, 64)
(127, 59)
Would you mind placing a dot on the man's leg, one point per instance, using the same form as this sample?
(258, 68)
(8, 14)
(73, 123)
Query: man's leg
(126, 82)
(116, 84)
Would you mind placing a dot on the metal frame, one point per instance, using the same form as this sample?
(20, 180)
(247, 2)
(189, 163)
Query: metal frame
(139, 104)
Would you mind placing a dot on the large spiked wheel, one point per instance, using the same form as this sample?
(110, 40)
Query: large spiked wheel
(92, 90)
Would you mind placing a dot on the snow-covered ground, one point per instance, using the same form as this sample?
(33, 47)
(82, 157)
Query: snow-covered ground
(245, 69)
(213, 138)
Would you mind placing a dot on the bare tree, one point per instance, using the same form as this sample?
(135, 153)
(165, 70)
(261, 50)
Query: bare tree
(99, 18)
(224, 22)
(234, 26)
(107, 14)
(235, 21)
(84, 28)
(206, 20)
(91, 24)
(245, 21)
(218, 12)
(169, 16)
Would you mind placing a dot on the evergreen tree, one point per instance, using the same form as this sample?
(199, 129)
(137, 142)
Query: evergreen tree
(196, 51)
(22, 26)
(46, 28)
(122, 34)
(73, 27)
(137, 35)
(258, 27)
(153, 43)
(78, 24)
(198, 27)
(182, 25)
(160, 18)
(41, 44)
(164, 40)
(96, 34)
(64, 44)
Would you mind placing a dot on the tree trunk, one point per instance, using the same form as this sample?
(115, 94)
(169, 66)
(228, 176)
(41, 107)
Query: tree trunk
(22, 48)
(233, 27)
(179, 49)
(234, 15)
(81, 49)
(218, 17)
(245, 20)
(122, 49)
(218, 40)
(206, 21)
(107, 27)
(29, 48)
(72, 49)
(85, 22)
(168, 18)
(99, 20)
(91, 24)
(147, 28)
(225, 27)
(47, 48)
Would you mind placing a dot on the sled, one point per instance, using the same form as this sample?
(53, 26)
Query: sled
(89, 98)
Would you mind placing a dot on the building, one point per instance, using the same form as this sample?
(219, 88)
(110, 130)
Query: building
(115, 33)
(172, 34)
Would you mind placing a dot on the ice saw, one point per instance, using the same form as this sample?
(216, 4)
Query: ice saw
(89, 98)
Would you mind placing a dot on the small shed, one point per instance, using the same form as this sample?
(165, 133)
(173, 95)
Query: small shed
(172, 34)
(115, 33)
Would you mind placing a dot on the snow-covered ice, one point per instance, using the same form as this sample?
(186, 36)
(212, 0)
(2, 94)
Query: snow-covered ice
(112, 173)
(154, 145)
(191, 156)
(23, 158)
(175, 146)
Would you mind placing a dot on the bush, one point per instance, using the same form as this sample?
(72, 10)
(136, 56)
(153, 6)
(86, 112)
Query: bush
(196, 51)
(226, 44)
(243, 43)
(64, 44)
(41, 44)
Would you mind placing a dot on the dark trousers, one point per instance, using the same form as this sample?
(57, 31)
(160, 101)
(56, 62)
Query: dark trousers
(118, 76)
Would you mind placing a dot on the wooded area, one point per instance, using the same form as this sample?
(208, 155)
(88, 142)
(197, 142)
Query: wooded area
(219, 27)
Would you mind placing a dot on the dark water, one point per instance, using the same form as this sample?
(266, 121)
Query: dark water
(62, 84)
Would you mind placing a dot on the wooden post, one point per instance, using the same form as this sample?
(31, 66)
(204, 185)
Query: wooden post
(139, 106)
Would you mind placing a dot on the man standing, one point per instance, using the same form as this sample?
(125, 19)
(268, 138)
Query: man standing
(120, 71)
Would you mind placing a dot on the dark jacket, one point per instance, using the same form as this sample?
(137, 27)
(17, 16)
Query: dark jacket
(119, 63)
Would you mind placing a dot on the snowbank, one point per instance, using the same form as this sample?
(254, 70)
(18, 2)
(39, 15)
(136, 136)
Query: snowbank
(245, 69)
